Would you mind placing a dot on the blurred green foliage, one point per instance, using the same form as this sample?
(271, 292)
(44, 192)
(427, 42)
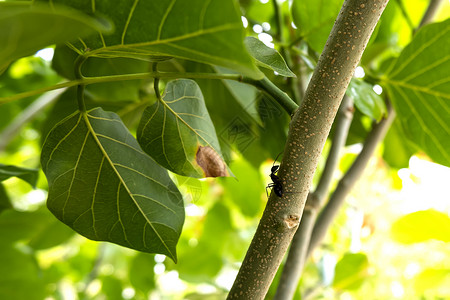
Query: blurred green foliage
(375, 250)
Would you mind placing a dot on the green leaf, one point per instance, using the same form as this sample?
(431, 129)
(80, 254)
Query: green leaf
(267, 57)
(314, 20)
(20, 278)
(26, 174)
(246, 191)
(142, 275)
(106, 188)
(351, 271)
(203, 31)
(112, 287)
(397, 150)
(33, 228)
(366, 100)
(179, 134)
(422, 226)
(5, 202)
(419, 87)
(26, 29)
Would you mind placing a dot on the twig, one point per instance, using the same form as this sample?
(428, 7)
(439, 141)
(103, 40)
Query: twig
(349, 179)
(430, 13)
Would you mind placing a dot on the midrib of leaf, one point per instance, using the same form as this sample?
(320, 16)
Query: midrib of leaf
(122, 182)
(424, 126)
(415, 54)
(183, 121)
(169, 40)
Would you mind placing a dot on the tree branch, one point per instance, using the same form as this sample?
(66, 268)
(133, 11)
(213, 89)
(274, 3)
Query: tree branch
(429, 15)
(349, 179)
(299, 246)
(307, 135)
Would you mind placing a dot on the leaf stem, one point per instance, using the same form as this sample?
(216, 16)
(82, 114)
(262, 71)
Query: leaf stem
(91, 80)
(277, 94)
(156, 81)
(80, 91)
(265, 84)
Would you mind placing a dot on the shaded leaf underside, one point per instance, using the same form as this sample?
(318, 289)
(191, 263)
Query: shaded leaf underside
(173, 129)
(103, 186)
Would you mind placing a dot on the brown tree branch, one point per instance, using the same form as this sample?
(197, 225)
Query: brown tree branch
(309, 129)
(299, 246)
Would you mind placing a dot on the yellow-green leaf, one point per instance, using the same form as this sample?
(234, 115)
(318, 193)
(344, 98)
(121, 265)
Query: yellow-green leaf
(422, 226)
(418, 83)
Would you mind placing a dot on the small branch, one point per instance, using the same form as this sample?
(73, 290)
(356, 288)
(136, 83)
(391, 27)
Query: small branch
(124, 77)
(340, 137)
(278, 21)
(299, 246)
(80, 90)
(156, 81)
(277, 94)
(349, 179)
(308, 132)
(285, 53)
(27, 115)
(429, 15)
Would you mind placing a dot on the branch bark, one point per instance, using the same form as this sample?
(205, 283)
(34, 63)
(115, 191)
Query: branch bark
(309, 129)
(299, 246)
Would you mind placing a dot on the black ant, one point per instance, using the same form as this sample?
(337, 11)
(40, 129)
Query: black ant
(276, 181)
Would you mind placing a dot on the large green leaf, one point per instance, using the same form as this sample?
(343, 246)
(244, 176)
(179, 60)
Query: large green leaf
(26, 174)
(422, 226)
(106, 188)
(179, 134)
(204, 31)
(419, 87)
(27, 29)
(314, 20)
